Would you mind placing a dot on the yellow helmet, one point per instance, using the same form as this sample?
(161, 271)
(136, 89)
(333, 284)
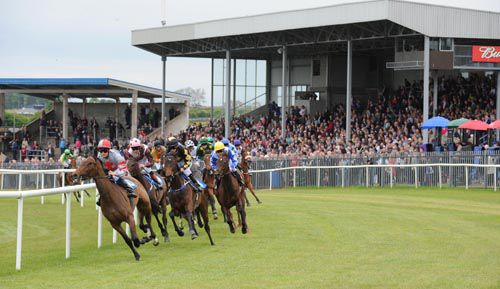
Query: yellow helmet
(218, 146)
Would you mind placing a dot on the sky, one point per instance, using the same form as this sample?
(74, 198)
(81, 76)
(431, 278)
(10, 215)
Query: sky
(91, 38)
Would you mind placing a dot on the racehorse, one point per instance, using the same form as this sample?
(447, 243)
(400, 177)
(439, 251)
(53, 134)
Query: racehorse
(209, 179)
(157, 197)
(68, 180)
(230, 193)
(246, 159)
(115, 202)
(183, 200)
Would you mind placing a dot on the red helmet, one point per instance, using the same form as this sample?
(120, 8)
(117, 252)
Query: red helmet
(104, 144)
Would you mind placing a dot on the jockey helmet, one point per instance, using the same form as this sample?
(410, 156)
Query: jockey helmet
(219, 146)
(135, 142)
(104, 144)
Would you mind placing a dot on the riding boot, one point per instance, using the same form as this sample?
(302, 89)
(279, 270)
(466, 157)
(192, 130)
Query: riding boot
(195, 183)
(238, 177)
(131, 195)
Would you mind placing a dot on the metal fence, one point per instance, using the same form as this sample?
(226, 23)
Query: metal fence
(469, 169)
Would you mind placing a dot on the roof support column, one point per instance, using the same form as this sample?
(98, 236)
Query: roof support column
(2, 108)
(348, 96)
(227, 110)
(84, 107)
(498, 102)
(212, 93)
(164, 62)
(234, 89)
(435, 94)
(283, 90)
(65, 117)
(425, 133)
(117, 111)
(133, 128)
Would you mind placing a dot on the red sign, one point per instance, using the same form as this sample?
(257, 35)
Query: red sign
(485, 53)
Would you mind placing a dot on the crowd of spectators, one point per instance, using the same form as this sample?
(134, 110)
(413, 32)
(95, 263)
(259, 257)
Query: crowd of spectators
(384, 124)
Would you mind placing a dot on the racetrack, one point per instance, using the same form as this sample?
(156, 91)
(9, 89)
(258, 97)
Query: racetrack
(299, 238)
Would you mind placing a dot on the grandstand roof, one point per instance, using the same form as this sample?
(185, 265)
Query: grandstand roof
(259, 36)
(51, 88)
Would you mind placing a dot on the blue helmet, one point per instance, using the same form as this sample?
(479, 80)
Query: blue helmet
(225, 141)
(237, 142)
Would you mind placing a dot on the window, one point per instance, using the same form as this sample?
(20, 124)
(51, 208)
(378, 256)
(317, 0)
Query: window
(434, 44)
(445, 44)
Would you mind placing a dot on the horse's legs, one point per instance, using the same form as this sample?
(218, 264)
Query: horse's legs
(229, 218)
(246, 200)
(131, 223)
(249, 185)
(203, 208)
(192, 230)
(198, 217)
(211, 199)
(172, 217)
(143, 227)
(240, 207)
(152, 235)
(77, 196)
(164, 232)
(120, 230)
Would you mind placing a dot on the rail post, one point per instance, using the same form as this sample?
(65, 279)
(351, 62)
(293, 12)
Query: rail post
(19, 232)
(99, 227)
(294, 177)
(68, 223)
(466, 177)
(318, 179)
(440, 177)
(416, 177)
(42, 198)
(270, 180)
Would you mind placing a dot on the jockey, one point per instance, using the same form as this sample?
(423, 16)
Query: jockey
(237, 145)
(141, 153)
(115, 167)
(157, 154)
(189, 144)
(230, 146)
(65, 159)
(204, 147)
(219, 149)
(183, 159)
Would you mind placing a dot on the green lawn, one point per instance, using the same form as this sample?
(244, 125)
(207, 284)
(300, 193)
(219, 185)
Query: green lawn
(302, 238)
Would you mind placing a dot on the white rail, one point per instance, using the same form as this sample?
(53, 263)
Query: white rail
(388, 167)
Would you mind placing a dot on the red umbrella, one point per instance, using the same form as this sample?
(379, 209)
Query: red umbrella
(475, 125)
(495, 124)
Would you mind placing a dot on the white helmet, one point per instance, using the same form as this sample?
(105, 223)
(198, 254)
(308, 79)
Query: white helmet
(189, 143)
(135, 142)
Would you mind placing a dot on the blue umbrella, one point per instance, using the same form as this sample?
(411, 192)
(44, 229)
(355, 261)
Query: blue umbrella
(434, 122)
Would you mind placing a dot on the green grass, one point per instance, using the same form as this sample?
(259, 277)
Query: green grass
(303, 238)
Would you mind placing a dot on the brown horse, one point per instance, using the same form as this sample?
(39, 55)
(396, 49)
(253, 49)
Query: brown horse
(230, 194)
(158, 198)
(209, 179)
(68, 180)
(115, 203)
(183, 200)
(246, 159)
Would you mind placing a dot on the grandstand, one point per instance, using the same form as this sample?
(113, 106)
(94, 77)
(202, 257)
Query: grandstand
(337, 54)
(63, 120)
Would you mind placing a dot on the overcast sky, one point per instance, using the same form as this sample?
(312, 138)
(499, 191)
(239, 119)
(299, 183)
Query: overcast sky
(91, 38)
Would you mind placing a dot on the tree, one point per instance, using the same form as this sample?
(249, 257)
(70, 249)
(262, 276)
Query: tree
(197, 95)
